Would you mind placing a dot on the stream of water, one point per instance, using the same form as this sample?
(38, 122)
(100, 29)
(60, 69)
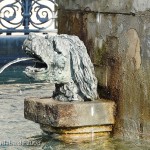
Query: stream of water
(17, 133)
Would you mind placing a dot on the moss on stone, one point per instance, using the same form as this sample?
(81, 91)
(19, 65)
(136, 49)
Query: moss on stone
(99, 55)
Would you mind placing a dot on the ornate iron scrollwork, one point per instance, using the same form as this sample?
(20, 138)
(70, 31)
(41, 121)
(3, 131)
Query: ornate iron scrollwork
(27, 15)
(45, 15)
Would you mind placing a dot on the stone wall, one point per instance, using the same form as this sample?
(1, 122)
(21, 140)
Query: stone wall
(117, 36)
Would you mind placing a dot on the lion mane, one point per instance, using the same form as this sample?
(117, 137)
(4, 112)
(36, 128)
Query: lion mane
(83, 85)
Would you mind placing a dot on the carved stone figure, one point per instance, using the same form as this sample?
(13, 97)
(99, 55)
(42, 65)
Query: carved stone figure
(64, 61)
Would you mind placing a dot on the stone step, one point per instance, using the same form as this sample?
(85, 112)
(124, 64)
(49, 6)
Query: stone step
(70, 117)
(72, 121)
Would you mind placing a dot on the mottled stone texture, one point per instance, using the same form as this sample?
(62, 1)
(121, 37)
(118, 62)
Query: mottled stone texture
(62, 60)
(107, 6)
(119, 45)
(53, 113)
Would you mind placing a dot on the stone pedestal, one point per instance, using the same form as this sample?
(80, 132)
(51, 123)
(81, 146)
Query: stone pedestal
(71, 120)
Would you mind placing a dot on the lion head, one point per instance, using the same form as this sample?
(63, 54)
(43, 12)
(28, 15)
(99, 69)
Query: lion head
(64, 61)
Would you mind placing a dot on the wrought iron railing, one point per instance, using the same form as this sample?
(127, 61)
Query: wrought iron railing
(28, 16)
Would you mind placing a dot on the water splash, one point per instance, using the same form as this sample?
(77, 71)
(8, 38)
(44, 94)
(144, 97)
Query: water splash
(15, 61)
(92, 111)
(92, 132)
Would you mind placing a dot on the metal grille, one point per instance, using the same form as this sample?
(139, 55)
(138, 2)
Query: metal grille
(28, 16)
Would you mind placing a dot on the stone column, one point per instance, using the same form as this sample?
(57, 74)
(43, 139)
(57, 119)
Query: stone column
(117, 36)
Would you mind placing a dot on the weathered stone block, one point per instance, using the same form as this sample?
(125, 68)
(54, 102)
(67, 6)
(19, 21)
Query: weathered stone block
(65, 114)
(118, 43)
(113, 6)
(119, 48)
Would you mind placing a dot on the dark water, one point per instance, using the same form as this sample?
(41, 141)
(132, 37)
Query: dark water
(14, 74)
(17, 133)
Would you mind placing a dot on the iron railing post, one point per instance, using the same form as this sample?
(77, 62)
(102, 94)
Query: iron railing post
(26, 13)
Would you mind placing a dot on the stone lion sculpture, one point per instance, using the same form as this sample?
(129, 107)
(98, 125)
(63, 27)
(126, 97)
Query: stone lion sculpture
(64, 61)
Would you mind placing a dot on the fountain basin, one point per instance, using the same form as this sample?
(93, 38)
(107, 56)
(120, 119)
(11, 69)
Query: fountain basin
(71, 118)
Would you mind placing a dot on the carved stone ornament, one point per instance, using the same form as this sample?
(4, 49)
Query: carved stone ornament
(64, 61)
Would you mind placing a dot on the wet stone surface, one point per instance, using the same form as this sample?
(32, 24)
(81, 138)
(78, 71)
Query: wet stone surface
(70, 114)
(76, 121)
